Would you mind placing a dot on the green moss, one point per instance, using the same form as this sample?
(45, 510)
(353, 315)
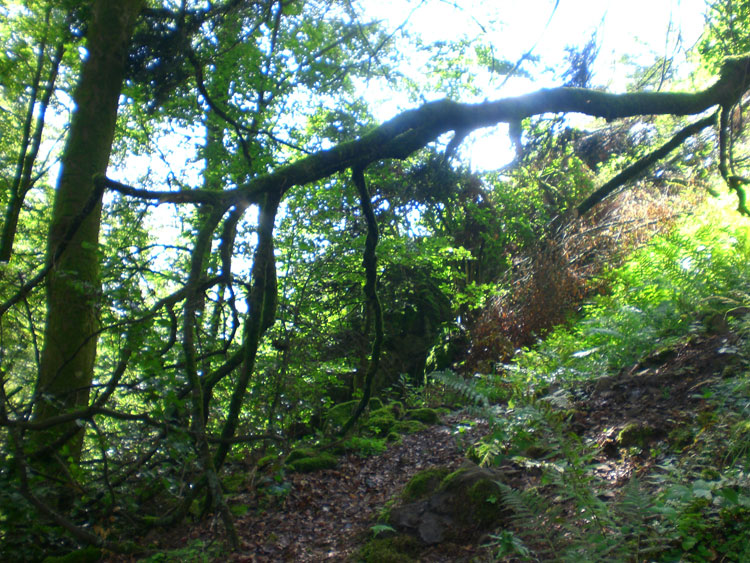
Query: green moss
(634, 434)
(239, 509)
(339, 414)
(423, 484)
(393, 438)
(375, 404)
(299, 453)
(308, 464)
(397, 408)
(408, 426)
(380, 421)
(233, 483)
(443, 411)
(309, 459)
(681, 437)
(484, 503)
(365, 447)
(451, 479)
(267, 460)
(398, 549)
(85, 555)
(428, 416)
(477, 498)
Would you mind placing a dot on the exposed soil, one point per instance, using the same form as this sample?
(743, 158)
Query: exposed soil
(660, 393)
(327, 515)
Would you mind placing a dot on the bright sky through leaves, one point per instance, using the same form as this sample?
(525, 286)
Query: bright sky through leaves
(633, 32)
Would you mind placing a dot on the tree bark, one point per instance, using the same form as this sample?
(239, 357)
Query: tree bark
(31, 140)
(70, 335)
(413, 129)
(370, 263)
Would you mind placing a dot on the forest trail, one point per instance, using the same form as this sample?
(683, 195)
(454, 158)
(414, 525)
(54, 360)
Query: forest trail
(327, 515)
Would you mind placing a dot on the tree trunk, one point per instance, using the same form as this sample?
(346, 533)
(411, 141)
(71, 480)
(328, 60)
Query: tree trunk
(33, 128)
(73, 291)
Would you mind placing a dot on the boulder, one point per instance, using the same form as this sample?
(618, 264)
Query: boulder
(464, 504)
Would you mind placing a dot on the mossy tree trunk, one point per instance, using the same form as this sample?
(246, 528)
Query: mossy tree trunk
(370, 263)
(70, 334)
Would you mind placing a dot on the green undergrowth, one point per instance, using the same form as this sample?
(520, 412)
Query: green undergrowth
(693, 502)
(378, 427)
(675, 286)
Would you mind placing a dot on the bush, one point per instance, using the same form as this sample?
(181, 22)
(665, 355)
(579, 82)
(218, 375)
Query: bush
(428, 416)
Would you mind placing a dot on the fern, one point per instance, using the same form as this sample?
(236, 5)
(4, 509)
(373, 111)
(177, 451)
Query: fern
(534, 519)
(466, 388)
(633, 512)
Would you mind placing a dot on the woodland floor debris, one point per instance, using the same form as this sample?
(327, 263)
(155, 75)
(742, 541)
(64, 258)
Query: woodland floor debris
(328, 515)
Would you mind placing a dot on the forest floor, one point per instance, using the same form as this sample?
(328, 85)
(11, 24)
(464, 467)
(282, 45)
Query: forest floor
(327, 515)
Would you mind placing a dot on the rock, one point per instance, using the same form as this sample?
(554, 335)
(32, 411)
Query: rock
(433, 527)
(408, 426)
(428, 416)
(635, 434)
(464, 504)
(339, 414)
(305, 460)
(424, 484)
(380, 421)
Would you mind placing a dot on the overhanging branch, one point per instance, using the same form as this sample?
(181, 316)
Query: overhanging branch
(414, 129)
(640, 165)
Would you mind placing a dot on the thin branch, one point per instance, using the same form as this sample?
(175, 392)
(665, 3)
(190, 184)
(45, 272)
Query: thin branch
(73, 227)
(369, 261)
(643, 163)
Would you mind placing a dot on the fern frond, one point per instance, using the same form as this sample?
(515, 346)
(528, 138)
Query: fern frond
(532, 515)
(464, 387)
(633, 512)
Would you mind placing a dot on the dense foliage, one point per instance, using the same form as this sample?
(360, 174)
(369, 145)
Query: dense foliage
(151, 335)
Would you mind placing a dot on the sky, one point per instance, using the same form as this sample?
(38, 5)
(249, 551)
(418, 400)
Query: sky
(640, 29)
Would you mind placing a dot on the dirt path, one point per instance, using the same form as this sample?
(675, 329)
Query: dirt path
(326, 515)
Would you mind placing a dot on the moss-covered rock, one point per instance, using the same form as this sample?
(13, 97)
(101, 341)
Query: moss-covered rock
(423, 484)
(299, 453)
(428, 416)
(339, 414)
(316, 463)
(484, 498)
(635, 434)
(86, 555)
(398, 549)
(380, 421)
(266, 460)
(305, 460)
(464, 505)
(364, 446)
(408, 426)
